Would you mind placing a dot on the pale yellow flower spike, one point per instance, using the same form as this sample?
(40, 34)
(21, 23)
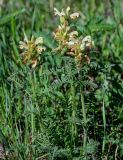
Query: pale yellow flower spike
(31, 50)
(66, 37)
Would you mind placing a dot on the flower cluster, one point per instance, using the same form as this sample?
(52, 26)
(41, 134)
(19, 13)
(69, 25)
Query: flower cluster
(31, 50)
(67, 37)
(76, 45)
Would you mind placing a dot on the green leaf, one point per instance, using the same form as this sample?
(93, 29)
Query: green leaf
(92, 146)
(121, 149)
(59, 95)
(7, 18)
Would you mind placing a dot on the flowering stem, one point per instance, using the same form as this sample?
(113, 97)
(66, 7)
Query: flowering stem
(74, 127)
(84, 118)
(85, 121)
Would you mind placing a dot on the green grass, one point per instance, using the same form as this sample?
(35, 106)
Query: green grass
(53, 112)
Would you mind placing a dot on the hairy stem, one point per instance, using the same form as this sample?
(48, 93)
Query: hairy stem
(84, 119)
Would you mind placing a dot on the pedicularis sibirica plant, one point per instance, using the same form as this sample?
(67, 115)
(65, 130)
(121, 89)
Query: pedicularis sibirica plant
(70, 43)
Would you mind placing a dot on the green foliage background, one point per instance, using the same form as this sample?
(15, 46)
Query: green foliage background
(41, 112)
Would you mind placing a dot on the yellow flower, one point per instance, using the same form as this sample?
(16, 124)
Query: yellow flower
(40, 49)
(39, 40)
(62, 13)
(82, 47)
(67, 10)
(70, 43)
(57, 12)
(87, 43)
(73, 35)
(23, 45)
(74, 15)
(34, 63)
(86, 39)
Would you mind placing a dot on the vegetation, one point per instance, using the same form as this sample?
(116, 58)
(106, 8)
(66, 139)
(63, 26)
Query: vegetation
(61, 80)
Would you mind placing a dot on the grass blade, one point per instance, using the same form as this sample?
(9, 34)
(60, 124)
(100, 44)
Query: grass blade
(7, 18)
